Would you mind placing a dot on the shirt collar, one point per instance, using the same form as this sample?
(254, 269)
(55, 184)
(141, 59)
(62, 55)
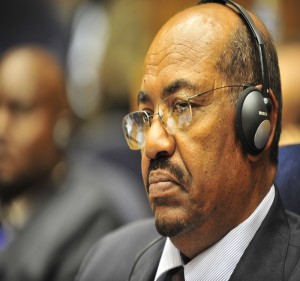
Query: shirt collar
(219, 261)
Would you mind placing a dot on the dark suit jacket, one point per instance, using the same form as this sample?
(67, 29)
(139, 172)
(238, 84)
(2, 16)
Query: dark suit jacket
(133, 253)
(65, 225)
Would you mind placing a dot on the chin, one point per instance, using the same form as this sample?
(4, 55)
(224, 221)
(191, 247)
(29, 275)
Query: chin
(170, 226)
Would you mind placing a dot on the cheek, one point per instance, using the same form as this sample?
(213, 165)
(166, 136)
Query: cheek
(144, 167)
(212, 139)
(211, 155)
(207, 146)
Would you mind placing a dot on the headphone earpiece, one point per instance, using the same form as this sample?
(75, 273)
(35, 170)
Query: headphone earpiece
(252, 120)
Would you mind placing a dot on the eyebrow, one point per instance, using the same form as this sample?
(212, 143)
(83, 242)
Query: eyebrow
(176, 86)
(172, 88)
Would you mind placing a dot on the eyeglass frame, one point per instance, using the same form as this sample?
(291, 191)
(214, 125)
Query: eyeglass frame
(150, 116)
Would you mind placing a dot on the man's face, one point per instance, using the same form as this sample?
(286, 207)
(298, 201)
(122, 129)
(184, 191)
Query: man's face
(195, 179)
(27, 117)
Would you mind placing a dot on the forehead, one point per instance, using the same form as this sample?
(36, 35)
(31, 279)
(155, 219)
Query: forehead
(187, 48)
(24, 77)
(174, 46)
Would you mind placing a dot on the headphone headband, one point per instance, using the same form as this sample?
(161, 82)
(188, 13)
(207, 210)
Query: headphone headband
(259, 40)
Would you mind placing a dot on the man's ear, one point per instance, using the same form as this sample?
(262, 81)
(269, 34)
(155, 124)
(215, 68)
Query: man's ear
(273, 123)
(63, 129)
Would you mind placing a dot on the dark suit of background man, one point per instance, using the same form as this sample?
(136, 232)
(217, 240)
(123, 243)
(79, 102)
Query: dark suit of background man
(208, 129)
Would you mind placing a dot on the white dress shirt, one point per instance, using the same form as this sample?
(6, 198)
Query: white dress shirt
(218, 262)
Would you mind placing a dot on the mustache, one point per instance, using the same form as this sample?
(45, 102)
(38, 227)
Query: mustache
(167, 165)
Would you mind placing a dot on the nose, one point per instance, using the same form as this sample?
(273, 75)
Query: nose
(158, 142)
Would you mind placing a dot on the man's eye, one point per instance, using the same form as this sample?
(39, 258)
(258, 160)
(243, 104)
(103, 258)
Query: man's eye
(180, 106)
(18, 108)
(145, 116)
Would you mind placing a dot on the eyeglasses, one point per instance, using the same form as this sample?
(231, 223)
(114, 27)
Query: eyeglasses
(175, 114)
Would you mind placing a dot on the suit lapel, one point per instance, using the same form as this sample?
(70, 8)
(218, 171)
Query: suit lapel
(263, 259)
(147, 262)
(265, 256)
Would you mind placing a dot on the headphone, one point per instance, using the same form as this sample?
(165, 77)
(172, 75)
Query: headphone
(252, 118)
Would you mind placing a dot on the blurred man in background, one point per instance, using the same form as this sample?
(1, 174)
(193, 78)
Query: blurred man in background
(52, 211)
(53, 206)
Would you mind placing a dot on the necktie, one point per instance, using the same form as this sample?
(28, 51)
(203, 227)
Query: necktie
(175, 274)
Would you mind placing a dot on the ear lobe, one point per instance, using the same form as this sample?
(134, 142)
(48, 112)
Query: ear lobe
(62, 130)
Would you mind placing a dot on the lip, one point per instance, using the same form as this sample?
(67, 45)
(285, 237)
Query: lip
(161, 184)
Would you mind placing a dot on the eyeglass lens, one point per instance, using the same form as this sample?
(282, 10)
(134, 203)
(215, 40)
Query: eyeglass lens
(174, 112)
